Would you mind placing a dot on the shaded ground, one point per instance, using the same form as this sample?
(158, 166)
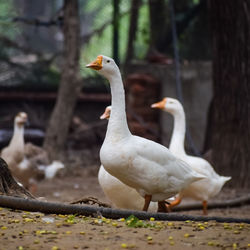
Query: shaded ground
(24, 230)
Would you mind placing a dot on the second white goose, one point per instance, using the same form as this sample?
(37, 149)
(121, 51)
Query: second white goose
(201, 190)
(121, 195)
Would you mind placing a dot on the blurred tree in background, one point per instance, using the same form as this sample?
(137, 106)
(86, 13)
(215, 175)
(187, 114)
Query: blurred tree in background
(133, 25)
(70, 84)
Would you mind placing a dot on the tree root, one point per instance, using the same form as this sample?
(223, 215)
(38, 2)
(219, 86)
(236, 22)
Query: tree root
(60, 208)
(8, 185)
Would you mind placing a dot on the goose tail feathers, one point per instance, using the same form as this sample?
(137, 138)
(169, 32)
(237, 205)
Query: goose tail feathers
(225, 179)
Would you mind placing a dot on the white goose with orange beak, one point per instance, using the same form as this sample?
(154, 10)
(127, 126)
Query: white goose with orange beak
(121, 195)
(144, 165)
(201, 190)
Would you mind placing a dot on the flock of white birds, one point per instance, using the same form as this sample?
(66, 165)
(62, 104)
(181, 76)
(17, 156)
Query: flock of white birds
(136, 173)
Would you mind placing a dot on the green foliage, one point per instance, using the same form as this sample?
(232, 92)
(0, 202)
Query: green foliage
(123, 33)
(133, 221)
(96, 46)
(101, 43)
(196, 1)
(7, 11)
(71, 219)
(98, 12)
(143, 33)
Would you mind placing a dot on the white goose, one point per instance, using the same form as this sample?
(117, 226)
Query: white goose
(147, 166)
(27, 162)
(201, 190)
(13, 154)
(121, 195)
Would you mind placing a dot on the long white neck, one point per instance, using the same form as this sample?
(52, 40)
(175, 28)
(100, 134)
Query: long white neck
(117, 126)
(17, 139)
(178, 136)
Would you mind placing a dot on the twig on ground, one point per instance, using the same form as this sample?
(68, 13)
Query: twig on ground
(90, 201)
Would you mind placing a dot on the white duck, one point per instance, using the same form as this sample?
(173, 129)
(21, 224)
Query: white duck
(201, 190)
(27, 162)
(13, 154)
(121, 195)
(142, 164)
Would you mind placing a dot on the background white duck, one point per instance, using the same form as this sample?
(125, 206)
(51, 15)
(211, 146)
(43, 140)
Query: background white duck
(121, 195)
(201, 190)
(13, 154)
(147, 166)
(27, 162)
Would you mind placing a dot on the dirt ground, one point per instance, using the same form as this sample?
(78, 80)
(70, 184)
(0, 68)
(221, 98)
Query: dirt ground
(26, 230)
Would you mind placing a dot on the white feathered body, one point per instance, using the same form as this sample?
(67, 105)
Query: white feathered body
(206, 188)
(121, 195)
(146, 166)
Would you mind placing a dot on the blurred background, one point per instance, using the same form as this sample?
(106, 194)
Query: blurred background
(186, 49)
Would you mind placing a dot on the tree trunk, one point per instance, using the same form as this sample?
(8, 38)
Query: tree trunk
(230, 23)
(157, 10)
(70, 85)
(8, 185)
(135, 5)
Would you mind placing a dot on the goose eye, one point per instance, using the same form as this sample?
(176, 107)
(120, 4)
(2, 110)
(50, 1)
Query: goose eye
(108, 61)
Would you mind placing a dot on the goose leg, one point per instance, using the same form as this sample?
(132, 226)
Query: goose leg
(176, 202)
(204, 204)
(162, 207)
(147, 202)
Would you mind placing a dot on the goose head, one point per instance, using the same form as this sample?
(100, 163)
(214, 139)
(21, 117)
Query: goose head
(168, 104)
(105, 65)
(106, 113)
(21, 119)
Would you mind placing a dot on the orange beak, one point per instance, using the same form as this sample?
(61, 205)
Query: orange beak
(97, 64)
(106, 114)
(160, 105)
